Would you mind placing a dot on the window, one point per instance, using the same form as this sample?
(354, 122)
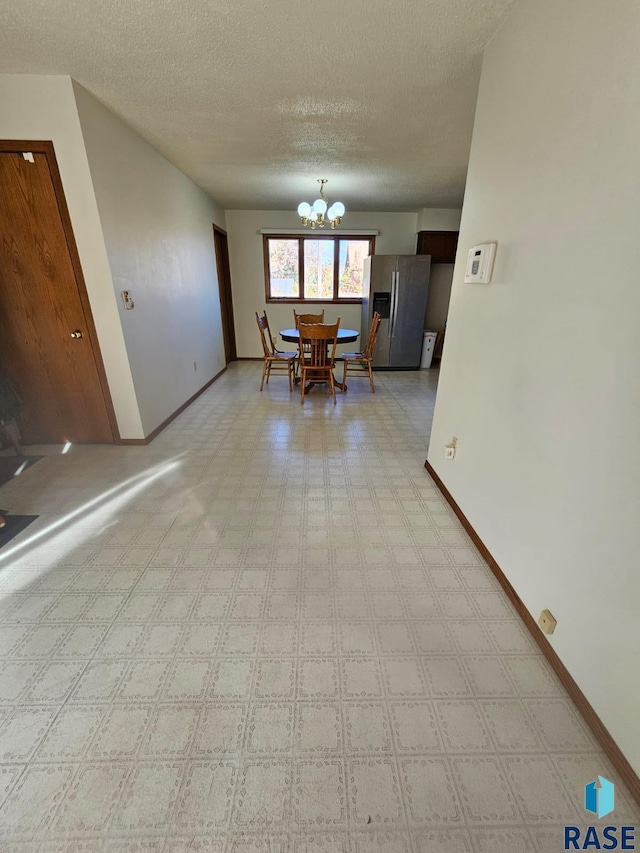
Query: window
(315, 268)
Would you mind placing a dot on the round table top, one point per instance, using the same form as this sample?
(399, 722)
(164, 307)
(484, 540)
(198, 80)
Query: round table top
(345, 336)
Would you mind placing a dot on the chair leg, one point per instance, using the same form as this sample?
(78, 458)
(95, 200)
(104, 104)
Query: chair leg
(290, 375)
(332, 387)
(264, 370)
(344, 376)
(373, 390)
(302, 383)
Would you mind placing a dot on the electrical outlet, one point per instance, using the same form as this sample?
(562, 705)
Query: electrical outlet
(547, 622)
(450, 449)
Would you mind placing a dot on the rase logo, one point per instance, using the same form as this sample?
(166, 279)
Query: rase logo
(599, 799)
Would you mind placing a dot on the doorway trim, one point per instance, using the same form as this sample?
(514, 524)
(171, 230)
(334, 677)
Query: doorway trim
(46, 147)
(226, 296)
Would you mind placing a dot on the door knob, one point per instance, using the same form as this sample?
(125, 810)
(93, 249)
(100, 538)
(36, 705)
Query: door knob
(76, 334)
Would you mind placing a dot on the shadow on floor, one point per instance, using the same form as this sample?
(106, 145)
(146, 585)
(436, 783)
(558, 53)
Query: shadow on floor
(13, 524)
(10, 465)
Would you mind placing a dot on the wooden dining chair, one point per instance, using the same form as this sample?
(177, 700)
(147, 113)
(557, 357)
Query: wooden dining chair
(318, 346)
(362, 360)
(306, 318)
(274, 359)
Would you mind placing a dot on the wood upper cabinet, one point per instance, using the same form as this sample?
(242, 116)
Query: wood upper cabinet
(441, 245)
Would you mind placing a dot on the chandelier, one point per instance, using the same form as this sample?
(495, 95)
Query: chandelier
(317, 214)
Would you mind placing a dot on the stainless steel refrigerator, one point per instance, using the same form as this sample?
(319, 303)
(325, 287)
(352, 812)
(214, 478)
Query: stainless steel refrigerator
(396, 286)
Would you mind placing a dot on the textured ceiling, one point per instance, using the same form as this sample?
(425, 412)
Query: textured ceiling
(255, 100)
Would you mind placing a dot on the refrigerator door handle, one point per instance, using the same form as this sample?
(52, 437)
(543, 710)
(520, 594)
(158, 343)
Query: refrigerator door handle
(394, 302)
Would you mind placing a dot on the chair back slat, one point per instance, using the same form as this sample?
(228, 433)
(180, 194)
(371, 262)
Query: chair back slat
(263, 326)
(268, 332)
(373, 334)
(307, 318)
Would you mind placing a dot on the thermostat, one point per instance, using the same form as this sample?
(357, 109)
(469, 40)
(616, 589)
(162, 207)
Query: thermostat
(480, 263)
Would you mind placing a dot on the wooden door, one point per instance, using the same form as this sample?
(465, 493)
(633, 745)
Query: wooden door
(46, 332)
(224, 286)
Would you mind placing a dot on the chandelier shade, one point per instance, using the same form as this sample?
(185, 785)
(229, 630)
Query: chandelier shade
(317, 215)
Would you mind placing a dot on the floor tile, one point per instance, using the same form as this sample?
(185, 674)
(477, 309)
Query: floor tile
(121, 732)
(367, 728)
(415, 729)
(442, 841)
(22, 731)
(264, 791)
(484, 791)
(92, 799)
(430, 791)
(31, 805)
(374, 792)
(206, 797)
(317, 678)
(539, 790)
(319, 794)
(170, 732)
(361, 678)
(69, 736)
(270, 728)
(318, 728)
(220, 730)
(511, 726)
(149, 796)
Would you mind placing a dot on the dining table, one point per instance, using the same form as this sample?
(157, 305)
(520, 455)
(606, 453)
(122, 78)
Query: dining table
(345, 336)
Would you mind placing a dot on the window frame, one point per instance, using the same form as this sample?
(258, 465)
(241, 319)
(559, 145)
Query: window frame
(297, 300)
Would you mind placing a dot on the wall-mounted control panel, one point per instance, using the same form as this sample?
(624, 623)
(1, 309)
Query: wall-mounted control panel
(127, 300)
(480, 263)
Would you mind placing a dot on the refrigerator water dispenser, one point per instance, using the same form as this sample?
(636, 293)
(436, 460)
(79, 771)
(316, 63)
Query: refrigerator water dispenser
(382, 304)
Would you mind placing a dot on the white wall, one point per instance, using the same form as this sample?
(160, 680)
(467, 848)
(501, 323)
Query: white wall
(539, 377)
(439, 219)
(157, 227)
(43, 108)
(397, 235)
(440, 283)
(441, 280)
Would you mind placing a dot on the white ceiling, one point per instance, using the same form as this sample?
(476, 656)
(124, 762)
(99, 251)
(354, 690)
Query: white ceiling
(255, 100)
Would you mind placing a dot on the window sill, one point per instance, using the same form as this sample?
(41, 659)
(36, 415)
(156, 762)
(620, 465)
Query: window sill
(288, 300)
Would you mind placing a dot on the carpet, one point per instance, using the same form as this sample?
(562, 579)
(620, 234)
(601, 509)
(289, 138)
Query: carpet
(14, 524)
(10, 464)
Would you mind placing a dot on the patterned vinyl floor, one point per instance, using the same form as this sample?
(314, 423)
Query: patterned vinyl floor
(267, 632)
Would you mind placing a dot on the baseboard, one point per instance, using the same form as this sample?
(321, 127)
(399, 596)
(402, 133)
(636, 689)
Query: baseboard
(608, 744)
(156, 432)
